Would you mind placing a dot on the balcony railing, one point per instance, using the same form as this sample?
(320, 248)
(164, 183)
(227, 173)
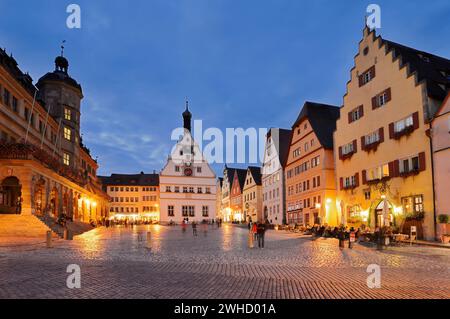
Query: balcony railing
(22, 151)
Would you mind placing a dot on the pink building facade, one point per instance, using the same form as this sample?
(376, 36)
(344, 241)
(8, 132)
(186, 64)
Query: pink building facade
(440, 133)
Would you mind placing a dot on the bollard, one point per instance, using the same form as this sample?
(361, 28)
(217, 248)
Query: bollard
(149, 239)
(66, 234)
(351, 240)
(341, 243)
(49, 239)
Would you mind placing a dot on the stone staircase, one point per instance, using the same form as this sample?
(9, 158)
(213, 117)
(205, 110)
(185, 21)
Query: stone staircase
(50, 223)
(22, 226)
(31, 226)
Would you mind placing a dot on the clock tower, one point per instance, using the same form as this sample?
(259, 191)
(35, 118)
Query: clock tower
(187, 182)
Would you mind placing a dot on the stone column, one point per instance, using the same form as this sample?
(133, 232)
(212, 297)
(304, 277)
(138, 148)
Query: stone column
(25, 179)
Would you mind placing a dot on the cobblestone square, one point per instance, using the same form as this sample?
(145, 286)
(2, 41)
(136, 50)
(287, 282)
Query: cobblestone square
(116, 263)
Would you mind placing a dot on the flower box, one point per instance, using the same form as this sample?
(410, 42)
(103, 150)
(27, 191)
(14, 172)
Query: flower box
(372, 146)
(347, 155)
(409, 173)
(405, 132)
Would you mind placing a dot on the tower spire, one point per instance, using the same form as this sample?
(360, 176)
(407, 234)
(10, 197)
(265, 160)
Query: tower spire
(62, 47)
(187, 115)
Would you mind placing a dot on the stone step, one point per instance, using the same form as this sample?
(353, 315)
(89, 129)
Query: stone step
(25, 226)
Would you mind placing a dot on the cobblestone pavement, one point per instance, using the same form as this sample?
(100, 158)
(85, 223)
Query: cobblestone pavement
(115, 263)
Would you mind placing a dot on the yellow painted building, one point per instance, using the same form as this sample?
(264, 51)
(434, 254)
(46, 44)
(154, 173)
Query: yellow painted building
(252, 195)
(45, 169)
(382, 147)
(133, 196)
(310, 177)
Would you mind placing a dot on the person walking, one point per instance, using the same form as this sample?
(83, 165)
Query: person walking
(261, 230)
(194, 228)
(255, 230)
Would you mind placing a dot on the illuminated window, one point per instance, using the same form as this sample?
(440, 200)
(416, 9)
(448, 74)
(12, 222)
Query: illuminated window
(66, 159)
(412, 204)
(67, 114)
(67, 133)
(378, 172)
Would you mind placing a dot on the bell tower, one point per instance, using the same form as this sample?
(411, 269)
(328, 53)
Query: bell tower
(62, 97)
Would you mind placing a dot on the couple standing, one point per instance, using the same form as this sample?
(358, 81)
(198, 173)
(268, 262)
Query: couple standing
(256, 232)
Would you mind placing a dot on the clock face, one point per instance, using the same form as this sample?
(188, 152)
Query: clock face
(187, 171)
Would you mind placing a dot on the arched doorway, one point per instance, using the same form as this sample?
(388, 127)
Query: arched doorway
(10, 196)
(379, 213)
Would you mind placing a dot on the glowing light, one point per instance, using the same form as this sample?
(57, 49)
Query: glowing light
(318, 205)
(398, 210)
(383, 196)
(328, 201)
(94, 204)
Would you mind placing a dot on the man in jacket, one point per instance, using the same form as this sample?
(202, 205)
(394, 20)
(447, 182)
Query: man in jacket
(261, 230)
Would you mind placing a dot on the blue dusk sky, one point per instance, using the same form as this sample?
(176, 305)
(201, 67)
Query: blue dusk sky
(240, 63)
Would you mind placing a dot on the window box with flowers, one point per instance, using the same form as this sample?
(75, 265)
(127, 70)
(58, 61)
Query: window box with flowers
(372, 146)
(417, 216)
(371, 141)
(346, 151)
(412, 166)
(404, 127)
(349, 183)
(409, 173)
(404, 132)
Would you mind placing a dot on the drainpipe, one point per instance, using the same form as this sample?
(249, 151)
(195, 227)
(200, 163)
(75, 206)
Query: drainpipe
(432, 177)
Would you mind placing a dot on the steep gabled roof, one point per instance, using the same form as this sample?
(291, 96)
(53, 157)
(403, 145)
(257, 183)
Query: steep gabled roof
(256, 174)
(322, 118)
(282, 146)
(229, 172)
(130, 180)
(432, 68)
(439, 111)
(241, 175)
